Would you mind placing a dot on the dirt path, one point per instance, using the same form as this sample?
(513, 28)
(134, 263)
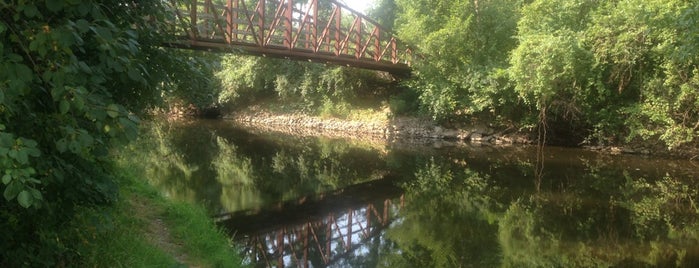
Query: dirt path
(157, 231)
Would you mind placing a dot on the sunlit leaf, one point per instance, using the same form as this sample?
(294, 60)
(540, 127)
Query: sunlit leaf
(113, 110)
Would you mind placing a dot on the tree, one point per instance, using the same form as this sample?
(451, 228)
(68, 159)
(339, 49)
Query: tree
(75, 74)
(465, 46)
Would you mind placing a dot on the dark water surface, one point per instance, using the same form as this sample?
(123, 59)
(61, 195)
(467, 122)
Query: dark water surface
(317, 202)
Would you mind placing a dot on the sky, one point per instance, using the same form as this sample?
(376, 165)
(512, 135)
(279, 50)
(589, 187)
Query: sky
(358, 5)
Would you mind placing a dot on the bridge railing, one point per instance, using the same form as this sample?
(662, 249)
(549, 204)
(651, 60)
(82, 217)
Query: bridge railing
(316, 29)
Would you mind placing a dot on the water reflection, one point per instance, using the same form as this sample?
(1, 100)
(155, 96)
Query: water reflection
(314, 202)
(331, 229)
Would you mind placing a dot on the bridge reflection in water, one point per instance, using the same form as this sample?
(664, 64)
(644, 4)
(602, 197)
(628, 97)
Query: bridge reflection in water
(316, 231)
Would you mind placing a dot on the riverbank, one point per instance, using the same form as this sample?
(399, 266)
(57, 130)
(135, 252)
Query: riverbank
(145, 229)
(380, 126)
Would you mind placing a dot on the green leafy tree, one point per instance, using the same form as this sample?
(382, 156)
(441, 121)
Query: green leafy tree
(384, 12)
(649, 49)
(464, 45)
(551, 68)
(74, 76)
(309, 86)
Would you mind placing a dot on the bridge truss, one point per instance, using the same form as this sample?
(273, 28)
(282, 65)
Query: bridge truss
(323, 241)
(322, 31)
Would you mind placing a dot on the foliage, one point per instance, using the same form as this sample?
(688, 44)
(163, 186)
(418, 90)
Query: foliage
(224, 170)
(649, 203)
(662, 67)
(122, 235)
(587, 210)
(465, 46)
(384, 12)
(455, 205)
(608, 71)
(311, 86)
(75, 75)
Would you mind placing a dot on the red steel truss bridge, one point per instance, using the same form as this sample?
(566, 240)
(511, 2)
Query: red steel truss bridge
(323, 31)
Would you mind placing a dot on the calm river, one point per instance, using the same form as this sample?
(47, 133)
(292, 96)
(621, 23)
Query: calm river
(316, 202)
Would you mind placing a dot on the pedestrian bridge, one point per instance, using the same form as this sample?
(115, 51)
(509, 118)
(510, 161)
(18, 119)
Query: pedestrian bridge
(323, 31)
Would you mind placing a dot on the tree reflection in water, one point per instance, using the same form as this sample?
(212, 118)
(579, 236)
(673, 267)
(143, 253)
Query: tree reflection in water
(322, 202)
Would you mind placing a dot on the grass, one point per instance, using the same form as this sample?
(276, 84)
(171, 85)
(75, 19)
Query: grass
(145, 229)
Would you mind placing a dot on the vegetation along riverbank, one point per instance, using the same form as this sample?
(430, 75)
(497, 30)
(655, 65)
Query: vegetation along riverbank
(619, 75)
(77, 76)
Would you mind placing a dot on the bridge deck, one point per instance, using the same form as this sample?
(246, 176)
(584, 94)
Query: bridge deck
(321, 31)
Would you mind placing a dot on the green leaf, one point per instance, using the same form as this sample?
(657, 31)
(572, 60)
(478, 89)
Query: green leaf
(25, 199)
(6, 179)
(134, 118)
(23, 72)
(82, 25)
(12, 190)
(63, 106)
(34, 152)
(62, 145)
(79, 103)
(113, 110)
(134, 74)
(30, 11)
(36, 194)
(12, 154)
(29, 143)
(103, 32)
(54, 6)
(56, 92)
(84, 67)
(22, 157)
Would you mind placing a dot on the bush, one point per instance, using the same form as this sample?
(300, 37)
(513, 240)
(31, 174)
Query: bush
(73, 72)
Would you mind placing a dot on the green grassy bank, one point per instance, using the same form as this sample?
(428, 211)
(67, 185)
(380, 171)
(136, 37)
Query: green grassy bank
(144, 229)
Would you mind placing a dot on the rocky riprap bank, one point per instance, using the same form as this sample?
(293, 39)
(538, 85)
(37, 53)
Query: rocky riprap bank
(408, 130)
(389, 130)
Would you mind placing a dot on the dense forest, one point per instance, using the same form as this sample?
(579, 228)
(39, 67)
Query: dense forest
(76, 76)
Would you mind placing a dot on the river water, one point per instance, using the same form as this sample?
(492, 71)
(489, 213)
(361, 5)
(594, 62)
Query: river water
(314, 202)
